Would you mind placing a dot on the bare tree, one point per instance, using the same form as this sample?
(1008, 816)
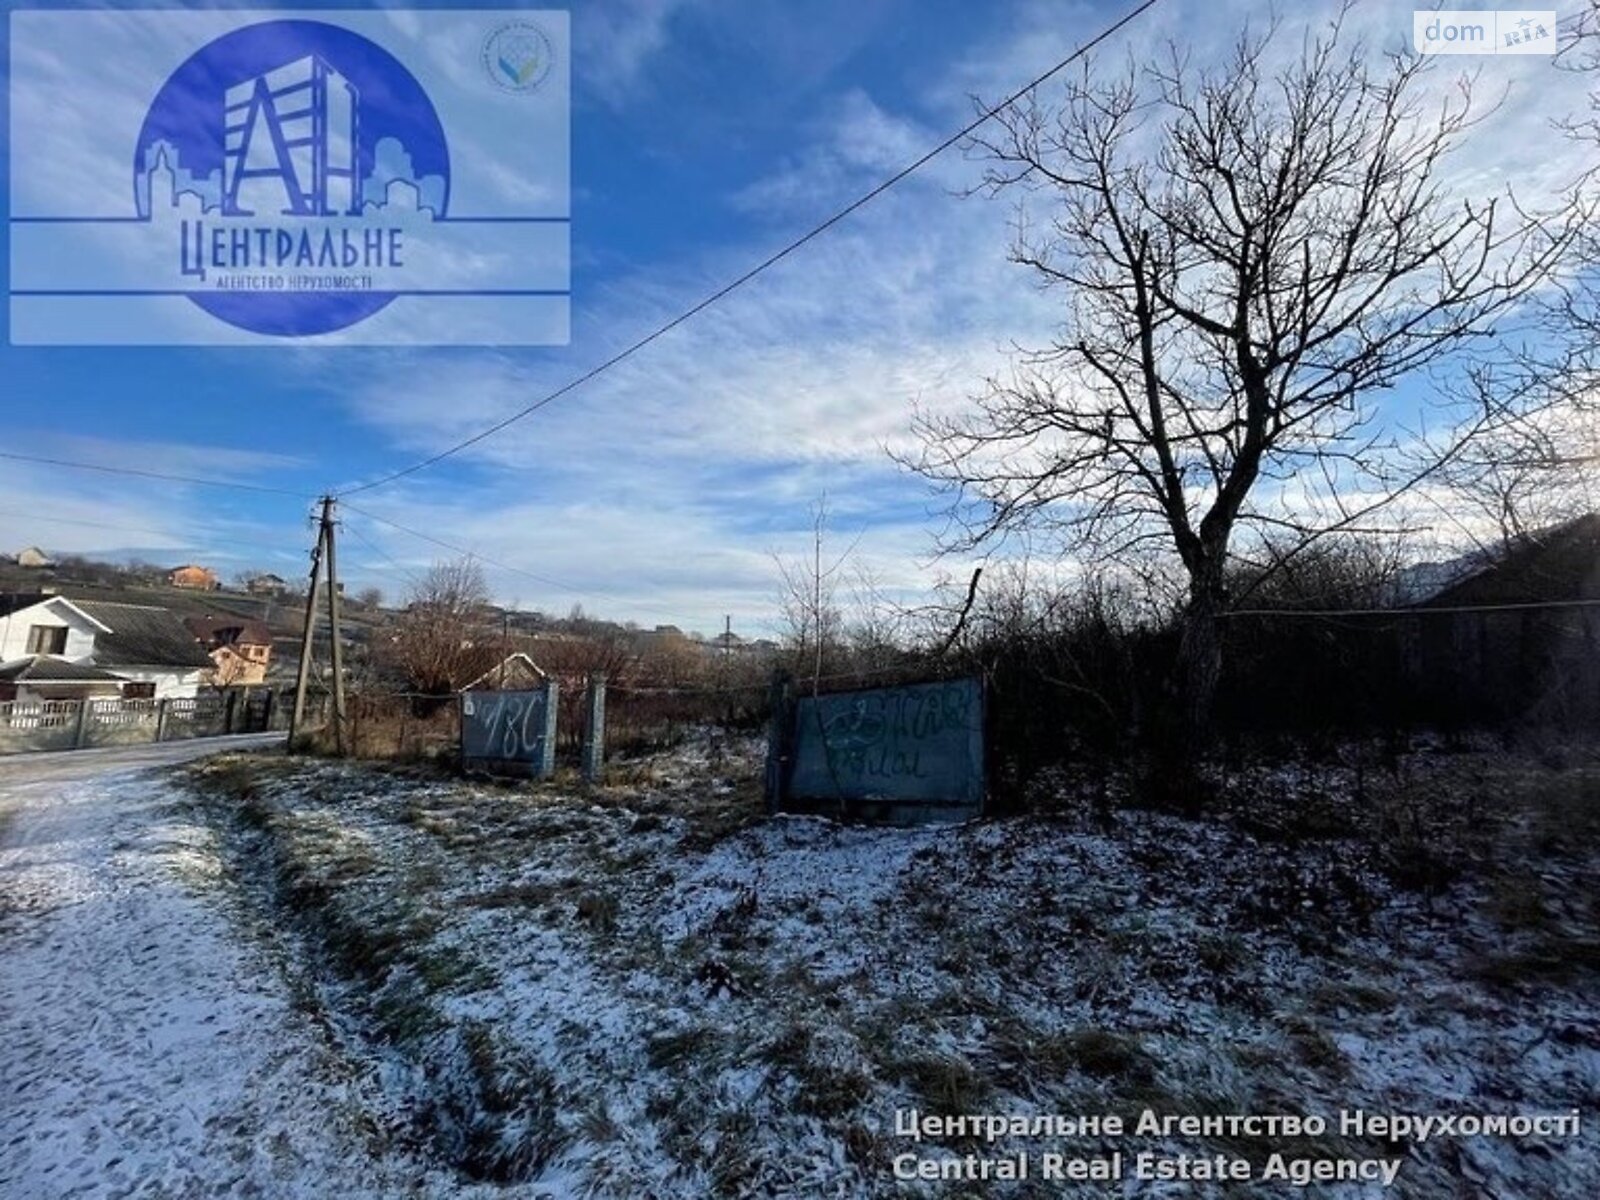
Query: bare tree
(1540, 404)
(1248, 256)
(435, 634)
(815, 625)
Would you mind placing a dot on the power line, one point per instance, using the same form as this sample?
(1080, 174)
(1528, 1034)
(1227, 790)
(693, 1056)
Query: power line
(766, 263)
(455, 549)
(165, 534)
(407, 574)
(7, 512)
(559, 585)
(190, 479)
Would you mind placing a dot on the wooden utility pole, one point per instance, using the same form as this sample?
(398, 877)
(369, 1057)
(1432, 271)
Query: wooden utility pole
(333, 625)
(297, 718)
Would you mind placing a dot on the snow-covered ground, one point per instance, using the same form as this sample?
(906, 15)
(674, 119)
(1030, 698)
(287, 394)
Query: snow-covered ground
(282, 977)
(146, 1047)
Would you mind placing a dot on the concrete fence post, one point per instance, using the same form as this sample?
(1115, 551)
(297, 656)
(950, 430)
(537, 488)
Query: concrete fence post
(80, 734)
(594, 729)
(780, 734)
(547, 752)
(161, 720)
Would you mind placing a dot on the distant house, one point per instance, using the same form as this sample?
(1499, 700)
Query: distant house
(192, 576)
(266, 584)
(513, 673)
(34, 558)
(240, 648)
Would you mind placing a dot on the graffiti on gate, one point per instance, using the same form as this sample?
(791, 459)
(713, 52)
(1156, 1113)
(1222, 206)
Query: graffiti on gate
(510, 732)
(884, 734)
(917, 745)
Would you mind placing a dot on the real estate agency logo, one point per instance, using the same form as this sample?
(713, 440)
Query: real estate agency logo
(284, 164)
(518, 57)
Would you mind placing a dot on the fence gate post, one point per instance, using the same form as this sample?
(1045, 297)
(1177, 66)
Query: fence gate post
(81, 732)
(778, 735)
(161, 720)
(547, 751)
(266, 711)
(594, 729)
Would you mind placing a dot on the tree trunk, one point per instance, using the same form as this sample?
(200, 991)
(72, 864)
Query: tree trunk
(1199, 666)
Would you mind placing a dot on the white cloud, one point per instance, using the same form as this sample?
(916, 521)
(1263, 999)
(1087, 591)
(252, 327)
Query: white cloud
(644, 484)
(614, 45)
(660, 490)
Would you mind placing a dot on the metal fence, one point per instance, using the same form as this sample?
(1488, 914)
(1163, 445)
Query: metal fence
(73, 724)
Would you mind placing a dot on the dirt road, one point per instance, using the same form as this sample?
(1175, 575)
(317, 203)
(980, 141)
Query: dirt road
(149, 1046)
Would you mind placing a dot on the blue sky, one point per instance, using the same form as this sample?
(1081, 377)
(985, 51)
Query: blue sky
(704, 134)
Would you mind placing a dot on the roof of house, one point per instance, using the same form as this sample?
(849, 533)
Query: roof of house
(227, 629)
(517, 668)
(143, 635)
(14, 602)
(1559, 563)
(47, 668)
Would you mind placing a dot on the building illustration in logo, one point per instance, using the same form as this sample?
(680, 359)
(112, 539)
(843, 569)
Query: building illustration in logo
(295, 166)
(343, 176)
(291, 138)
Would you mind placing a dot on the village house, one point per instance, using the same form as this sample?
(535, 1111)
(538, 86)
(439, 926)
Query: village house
(266, 584)
(240, 648)
(150, 646)
(52, 647)
(192, 576)
(34, 559)
(34, 623)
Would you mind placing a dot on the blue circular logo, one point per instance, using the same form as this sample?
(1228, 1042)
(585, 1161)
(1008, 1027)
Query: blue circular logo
(289, 156)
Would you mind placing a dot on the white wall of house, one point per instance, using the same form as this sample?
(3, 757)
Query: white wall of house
(33, 693)
(172, 683)
(16, 628)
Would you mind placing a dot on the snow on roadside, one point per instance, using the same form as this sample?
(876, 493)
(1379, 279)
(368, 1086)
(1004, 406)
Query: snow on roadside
(146, 1049)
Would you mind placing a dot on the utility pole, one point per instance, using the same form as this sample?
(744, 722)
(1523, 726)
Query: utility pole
(333, 626)
(297, 718)
(727, 678)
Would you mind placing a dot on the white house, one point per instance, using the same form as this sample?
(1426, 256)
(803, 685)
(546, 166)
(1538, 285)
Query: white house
(32, 623)
(148, 645)
(32, 556)
(140, 648)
